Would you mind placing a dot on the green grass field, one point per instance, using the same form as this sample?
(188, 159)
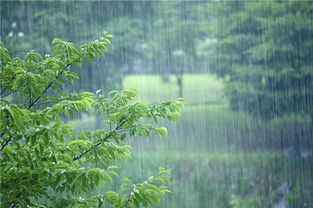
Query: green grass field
(197, 88)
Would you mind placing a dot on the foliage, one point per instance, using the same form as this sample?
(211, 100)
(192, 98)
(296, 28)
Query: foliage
(45, 162)
(173, 49)
(264, 53)
(226, 179)
(175, 46)
(150, 37)
(40, 21)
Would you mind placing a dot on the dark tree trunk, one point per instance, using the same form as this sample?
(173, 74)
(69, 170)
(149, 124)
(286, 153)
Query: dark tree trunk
(180, 85)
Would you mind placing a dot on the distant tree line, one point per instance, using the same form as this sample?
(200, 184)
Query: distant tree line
(31, 25)
(262, 50)
(157, 37)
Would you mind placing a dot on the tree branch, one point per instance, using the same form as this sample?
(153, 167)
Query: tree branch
(6, 141)
(34, 101)
(2, 91)
(2, 96)
(48, 86)
(107, 136)
(2, 134)
(129, 198)
(5, 144)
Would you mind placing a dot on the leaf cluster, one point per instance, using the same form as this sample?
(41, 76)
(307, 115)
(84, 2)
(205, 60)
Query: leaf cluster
(42, 157)
(263, 51)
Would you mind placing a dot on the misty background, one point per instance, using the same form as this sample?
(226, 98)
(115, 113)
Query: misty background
(244, 69)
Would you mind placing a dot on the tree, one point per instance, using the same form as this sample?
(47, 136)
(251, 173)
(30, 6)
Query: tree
(172, 46)
(44, 162)
(27, 25)
(264, 52)
(80, 22)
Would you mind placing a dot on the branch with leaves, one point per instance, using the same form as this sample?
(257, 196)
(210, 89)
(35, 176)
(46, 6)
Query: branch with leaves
(131, 194)
(40, 152)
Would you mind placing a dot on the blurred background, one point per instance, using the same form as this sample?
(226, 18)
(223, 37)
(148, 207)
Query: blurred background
(244, 68)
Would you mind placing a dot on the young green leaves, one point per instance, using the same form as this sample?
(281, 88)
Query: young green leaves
(42, 157)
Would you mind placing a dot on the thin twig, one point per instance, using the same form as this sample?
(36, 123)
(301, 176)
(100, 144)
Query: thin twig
(15, 204)
(29, 91)
(5, 144)
(2, 91)
(8, 94)
(128, 200)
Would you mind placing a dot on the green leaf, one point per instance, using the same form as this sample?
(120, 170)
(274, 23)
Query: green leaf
(161, 131)
(56, 40)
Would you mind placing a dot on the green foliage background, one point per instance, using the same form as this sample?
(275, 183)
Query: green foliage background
(264, 51)
(243, 122)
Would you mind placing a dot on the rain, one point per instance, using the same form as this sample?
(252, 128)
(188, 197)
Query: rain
(244, 69)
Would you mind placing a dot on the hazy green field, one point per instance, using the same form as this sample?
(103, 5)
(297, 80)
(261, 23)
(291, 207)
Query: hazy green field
(197, 88)
(206, 121)
(222, 179)
(219, 158)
